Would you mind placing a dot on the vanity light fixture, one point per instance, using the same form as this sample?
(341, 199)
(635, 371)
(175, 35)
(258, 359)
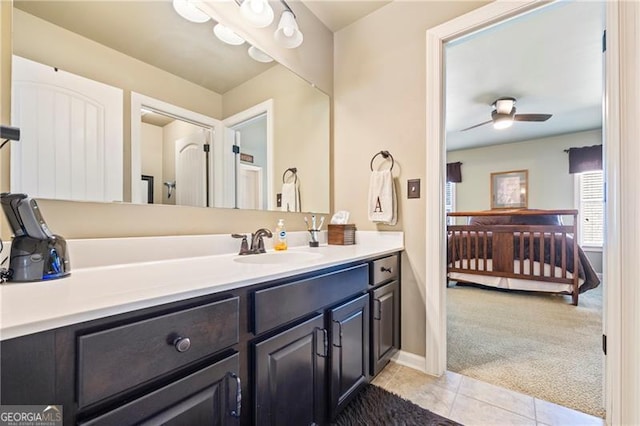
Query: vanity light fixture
(227, 35)
(259, 55)
(258, 12)
(189, 11)
(288, 34)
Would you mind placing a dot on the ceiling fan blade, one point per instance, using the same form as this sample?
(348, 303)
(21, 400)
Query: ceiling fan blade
(477, 125)
(532, 117)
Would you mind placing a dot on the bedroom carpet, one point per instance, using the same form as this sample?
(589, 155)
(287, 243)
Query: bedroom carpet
(533, 343)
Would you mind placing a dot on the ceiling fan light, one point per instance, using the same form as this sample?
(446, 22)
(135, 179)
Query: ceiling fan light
(188, 10)
(504, 105)
(227, 35)
(258, 12)
(502, 122)
(288, 34)
(258, 55)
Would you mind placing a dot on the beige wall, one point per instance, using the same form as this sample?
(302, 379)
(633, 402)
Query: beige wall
(313, 60)
(151, 151)
(301, 128)
(550, 184)
(379, 103)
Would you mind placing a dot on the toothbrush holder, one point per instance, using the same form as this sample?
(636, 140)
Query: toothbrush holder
(314, 238)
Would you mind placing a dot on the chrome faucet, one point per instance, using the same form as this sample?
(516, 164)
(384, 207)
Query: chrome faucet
(257, 242)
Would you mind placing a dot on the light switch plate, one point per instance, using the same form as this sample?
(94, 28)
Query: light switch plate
(413, 188)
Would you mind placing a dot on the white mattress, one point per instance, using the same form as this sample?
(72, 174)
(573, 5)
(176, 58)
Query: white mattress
(513, 283)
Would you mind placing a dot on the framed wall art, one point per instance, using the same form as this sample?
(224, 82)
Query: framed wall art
(509, 190)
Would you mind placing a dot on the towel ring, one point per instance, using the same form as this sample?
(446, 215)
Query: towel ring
(385, 155)
(294, 172)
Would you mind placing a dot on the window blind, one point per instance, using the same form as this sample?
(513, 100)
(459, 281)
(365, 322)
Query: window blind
(450, 200)
(591, 230)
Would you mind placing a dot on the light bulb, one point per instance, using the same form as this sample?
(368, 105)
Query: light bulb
(287, 34)
(189, 11)
(256, 5)
(258, 12)
(502, 123)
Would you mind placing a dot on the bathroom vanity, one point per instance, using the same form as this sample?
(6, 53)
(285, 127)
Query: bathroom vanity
(269, 341)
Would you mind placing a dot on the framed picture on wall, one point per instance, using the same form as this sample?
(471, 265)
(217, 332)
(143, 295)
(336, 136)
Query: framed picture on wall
(509, 190)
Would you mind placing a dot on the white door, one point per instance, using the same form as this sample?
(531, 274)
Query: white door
(250, 187)
(191, 165)
(71, 135)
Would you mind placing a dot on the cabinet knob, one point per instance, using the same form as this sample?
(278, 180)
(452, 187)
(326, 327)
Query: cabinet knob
(182, 344)
(383, 269)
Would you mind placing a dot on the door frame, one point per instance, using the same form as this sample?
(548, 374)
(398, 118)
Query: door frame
(621, 152)
(265, 107)
(139, 101)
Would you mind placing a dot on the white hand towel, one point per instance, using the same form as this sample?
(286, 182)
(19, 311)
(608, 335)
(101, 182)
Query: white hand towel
(382, 204)
(290, 197)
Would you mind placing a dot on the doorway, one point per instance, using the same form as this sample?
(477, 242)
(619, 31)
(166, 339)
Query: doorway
(518, 339)
(171, 144)
(620, 134)
(248, 145)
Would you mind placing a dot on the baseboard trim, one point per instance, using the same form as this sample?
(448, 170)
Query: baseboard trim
(417, 362)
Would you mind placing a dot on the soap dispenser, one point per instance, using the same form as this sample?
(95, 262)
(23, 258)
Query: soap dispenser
(280, 242)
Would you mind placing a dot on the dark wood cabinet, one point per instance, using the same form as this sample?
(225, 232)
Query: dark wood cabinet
(290, 376)
(210, 396)
(349, 337)
(292, 351)
(385, 324)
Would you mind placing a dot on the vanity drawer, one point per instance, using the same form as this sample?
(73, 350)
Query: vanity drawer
(383, 270)
(114, 360)
(278, 305)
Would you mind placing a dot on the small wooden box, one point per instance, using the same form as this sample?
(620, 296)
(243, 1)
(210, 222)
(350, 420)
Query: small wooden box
(342, 235)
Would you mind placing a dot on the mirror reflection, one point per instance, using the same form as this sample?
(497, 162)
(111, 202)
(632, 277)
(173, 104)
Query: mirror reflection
(196, 122)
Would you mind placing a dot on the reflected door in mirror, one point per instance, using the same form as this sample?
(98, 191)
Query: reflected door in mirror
(191, 170)
(71, 135)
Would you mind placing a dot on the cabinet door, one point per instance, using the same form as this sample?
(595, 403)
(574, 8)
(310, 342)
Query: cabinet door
(210, 396)
(385, 316)
(349, 351)
(290, 376)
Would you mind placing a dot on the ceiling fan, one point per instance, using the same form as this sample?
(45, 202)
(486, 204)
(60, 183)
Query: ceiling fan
(504, 114)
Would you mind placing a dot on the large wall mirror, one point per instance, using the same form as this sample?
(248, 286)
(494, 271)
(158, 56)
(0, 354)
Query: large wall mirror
(128, 101)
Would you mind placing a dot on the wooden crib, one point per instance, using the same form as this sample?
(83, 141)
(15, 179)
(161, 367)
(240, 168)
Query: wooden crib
(520, 249)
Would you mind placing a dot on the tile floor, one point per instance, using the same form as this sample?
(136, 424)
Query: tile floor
(472, 402)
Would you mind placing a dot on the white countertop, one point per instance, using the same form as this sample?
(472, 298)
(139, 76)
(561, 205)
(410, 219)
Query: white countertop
(96, 292)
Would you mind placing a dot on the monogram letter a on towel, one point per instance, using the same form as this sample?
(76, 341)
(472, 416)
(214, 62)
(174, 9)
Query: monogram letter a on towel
(382, 204)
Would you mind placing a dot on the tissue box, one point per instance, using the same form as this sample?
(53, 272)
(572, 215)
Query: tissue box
(342, 235)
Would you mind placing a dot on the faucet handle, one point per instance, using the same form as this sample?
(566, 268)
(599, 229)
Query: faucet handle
(244, 245)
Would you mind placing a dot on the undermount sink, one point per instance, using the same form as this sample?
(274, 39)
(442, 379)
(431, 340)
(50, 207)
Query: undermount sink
(281, 257)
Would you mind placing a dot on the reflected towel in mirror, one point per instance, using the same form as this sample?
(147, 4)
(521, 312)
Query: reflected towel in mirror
(291, 197)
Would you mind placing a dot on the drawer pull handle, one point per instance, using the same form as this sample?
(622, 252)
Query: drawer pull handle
(182, 344)
(383, 269)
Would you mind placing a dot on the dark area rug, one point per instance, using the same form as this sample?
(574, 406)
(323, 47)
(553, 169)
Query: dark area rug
(375, 406)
